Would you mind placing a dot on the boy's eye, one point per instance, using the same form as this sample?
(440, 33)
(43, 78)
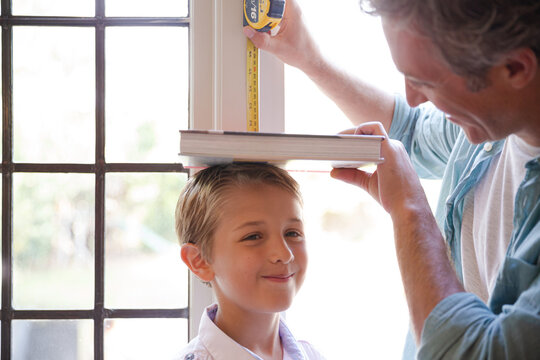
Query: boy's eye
(251, 237)
(294, 234)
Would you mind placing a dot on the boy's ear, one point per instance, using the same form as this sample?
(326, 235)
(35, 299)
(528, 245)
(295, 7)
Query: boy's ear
(521, 67)
(192, 257)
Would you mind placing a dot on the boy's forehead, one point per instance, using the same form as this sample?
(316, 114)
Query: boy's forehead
(256, 188)
(259, 197)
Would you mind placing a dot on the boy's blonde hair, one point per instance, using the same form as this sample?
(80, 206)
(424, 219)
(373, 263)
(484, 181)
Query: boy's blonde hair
(198, 208)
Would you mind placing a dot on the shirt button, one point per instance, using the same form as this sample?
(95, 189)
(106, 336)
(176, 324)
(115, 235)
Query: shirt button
(189, 356)
(488, 147)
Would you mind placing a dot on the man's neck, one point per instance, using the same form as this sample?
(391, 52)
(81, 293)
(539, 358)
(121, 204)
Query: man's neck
(531, 134)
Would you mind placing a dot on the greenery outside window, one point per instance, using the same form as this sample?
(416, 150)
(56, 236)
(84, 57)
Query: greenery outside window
(93, 93)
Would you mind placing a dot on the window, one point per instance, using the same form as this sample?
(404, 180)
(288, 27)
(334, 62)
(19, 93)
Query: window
(94, 93)
(353, 289)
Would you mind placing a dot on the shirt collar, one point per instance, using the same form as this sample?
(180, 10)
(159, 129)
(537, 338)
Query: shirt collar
(222, 347)
(219, 345)
(290, 345)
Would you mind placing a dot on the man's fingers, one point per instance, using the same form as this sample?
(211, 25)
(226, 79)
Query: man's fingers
(351, 131)
(371, 128)
(260, 39)
(352, 176)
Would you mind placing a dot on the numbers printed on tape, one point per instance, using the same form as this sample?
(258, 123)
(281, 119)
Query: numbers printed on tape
(252, 76)
(261, 15)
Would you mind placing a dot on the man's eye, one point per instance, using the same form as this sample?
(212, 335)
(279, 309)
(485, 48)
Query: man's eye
(417, 84)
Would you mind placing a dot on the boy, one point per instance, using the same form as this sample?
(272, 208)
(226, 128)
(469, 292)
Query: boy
(241, 230)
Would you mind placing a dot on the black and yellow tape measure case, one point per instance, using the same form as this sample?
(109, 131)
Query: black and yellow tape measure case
(263, 15)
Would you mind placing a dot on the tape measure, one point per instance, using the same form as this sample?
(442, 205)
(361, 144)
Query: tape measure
(252, 78)
(262, 15)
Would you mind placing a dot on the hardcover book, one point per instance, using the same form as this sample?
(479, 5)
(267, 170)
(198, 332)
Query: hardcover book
(199, 148)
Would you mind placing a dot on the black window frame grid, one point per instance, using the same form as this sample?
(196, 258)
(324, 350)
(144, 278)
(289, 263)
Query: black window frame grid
(99, 314)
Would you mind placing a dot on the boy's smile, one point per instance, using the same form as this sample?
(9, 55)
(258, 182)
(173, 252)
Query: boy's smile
(258, 253)
(279, 278)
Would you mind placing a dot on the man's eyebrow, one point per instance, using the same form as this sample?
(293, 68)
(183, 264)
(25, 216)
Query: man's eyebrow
(415, 79)
(439, 80)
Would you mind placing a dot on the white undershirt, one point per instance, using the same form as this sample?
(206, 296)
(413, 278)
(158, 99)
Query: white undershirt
(488, 216)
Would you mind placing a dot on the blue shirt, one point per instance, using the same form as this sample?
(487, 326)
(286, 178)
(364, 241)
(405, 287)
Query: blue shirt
(461, 325)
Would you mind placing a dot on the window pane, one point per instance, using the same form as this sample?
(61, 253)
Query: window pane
(375, 67)
(53, 94)
(134, 339)
(142, 266)
(53, 241)
(54, 7)
(346, 229)
(52, 340)
(147, 93)
(161, 8)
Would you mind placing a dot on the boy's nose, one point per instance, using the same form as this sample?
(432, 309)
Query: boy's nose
(280, 252)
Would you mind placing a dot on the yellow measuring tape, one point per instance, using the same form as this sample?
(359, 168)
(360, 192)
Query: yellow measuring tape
(252, 77)
(262, 15)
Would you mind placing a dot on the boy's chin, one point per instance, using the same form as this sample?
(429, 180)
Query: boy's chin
(278, 306)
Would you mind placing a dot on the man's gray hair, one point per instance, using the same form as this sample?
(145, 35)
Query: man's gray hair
(472, 36)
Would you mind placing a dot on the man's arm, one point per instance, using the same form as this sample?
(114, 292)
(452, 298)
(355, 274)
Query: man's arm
(427, 274)
(294, 45)
(463, 327)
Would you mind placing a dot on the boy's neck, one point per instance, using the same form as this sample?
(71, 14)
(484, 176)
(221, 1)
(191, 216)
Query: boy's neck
(258, 332)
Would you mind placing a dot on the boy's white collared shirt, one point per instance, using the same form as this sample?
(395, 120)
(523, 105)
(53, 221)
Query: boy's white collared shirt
(214, 344)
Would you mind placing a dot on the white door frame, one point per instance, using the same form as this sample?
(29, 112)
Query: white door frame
(218, 92)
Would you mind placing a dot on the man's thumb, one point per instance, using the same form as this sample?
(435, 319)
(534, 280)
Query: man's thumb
(259, 39)
(352, 176)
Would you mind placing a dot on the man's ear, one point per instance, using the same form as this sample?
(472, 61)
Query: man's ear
(192, 257)
(521, 67)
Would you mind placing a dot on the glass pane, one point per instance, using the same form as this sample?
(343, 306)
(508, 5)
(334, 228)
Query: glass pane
(147, 93)
(54, 7)
(53, 241)
(53, 94)
(52, 340)
(134, 339)
(142, 265)
(376, 68)
(346, 229)
(161, 8)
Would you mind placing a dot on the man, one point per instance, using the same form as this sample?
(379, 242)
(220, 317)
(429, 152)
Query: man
(478, 63)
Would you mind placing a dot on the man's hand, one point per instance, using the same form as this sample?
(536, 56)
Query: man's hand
(292, 44)
(395, 184)
(428, 276)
